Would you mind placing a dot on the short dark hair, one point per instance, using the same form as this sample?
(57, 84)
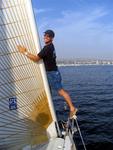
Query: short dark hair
(50, 33)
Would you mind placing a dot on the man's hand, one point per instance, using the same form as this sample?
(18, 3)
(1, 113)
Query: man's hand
(21, 49)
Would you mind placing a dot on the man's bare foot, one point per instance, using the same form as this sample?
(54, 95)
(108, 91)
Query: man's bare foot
(73, 113)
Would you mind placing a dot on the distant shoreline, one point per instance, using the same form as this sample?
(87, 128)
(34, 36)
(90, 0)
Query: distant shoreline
(75, 65)
(85, 62)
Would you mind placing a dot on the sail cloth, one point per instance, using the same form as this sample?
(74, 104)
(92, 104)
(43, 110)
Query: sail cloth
(25, 112)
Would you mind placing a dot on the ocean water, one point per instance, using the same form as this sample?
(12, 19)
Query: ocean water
(91, 90)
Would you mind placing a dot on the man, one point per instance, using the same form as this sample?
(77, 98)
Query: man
(49, 57)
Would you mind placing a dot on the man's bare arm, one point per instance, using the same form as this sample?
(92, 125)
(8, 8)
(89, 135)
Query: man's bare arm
(23, 50)
(33, 57)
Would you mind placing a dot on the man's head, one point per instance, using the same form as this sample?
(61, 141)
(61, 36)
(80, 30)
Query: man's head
(48, 36)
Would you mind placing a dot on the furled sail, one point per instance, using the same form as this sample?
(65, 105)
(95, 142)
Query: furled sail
(26, 112)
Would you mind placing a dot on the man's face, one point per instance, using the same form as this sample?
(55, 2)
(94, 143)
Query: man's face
(47, 39)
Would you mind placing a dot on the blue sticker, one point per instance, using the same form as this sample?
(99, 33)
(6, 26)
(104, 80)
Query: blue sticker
(13, 103)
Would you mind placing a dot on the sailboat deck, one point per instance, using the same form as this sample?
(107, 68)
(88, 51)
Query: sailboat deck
(56, 144)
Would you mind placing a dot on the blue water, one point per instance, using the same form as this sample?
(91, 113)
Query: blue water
(91, 89)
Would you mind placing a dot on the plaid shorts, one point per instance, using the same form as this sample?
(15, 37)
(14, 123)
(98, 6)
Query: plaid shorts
(54, 79)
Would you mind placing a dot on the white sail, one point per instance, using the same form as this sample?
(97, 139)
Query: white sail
(26, 111)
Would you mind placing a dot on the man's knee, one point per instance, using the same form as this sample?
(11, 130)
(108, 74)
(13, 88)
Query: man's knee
(62, 92)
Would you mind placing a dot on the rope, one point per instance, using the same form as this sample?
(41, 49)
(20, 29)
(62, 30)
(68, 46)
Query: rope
(71, 124)
(80, 134)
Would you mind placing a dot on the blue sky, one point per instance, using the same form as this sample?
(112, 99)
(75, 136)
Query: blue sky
(84, 28)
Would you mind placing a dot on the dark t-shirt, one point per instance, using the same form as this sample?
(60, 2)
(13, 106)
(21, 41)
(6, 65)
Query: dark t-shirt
(49, 57)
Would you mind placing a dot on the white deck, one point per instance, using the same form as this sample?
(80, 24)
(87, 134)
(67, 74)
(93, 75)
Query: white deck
(57, 144)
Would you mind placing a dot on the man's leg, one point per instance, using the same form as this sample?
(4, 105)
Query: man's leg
(67, 98)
